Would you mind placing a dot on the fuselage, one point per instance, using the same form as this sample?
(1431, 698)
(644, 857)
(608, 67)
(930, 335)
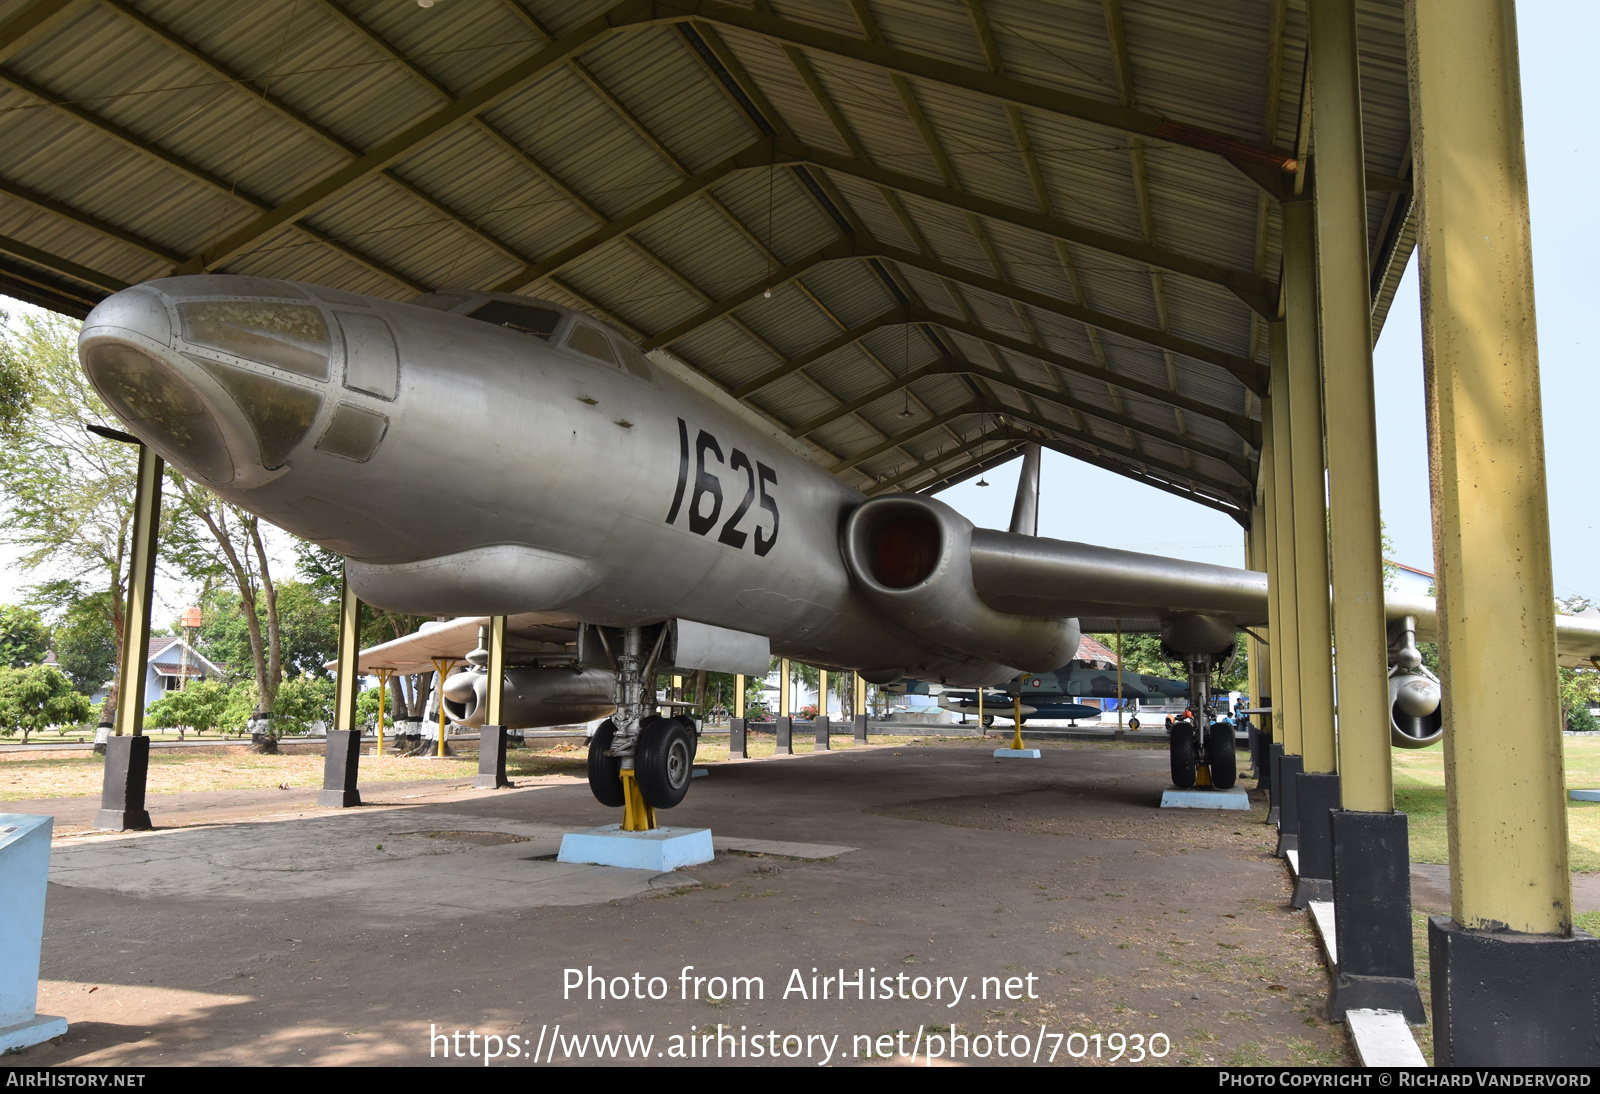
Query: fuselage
(526, 460)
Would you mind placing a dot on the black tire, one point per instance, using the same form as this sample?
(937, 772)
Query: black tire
(694, 729)
(988, 720)
(605, 772)
(1181, 749)
(664, 761)
(1222, 756)
(1133, 723)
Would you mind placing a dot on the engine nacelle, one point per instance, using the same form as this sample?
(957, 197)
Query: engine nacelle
(1416, 718)
(533, 697)
(912, 558)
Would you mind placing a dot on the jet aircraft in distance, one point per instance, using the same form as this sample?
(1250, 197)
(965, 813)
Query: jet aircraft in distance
(627, 514)
(1052, 694)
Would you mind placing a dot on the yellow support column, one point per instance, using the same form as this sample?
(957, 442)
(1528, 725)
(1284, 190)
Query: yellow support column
(494, 707)
(1339, 172)
(738, 696)
(1314, 648)
(341, 761)
(1508, 821)
(1509, 868)
(1016, 737)
(783, 687)
(442, 665)
(1286, 628)
(822, 693)
(128, 752)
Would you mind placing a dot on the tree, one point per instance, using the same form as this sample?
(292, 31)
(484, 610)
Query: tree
(37, 697)
(199, 706)
(85, 644)
(24, 638)
(303, 700)
(16, 387)
(68, 493)
(308, 629)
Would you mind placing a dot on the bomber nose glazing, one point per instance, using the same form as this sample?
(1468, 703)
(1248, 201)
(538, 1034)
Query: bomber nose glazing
(224, 386)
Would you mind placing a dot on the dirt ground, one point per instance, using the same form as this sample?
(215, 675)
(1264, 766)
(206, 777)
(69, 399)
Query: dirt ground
(255, 928)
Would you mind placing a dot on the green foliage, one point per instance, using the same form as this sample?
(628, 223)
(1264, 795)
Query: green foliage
(308, 628)
(85, 643)
(1579, 690)
(367, 708)
(36, 697)
(16, 386)
(24, 638)
(201, 705)
(223, 637)
(1142, 653)
(303, 700)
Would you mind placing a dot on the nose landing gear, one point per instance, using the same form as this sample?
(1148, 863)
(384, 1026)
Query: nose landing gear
(1202, 751)
(637, 759)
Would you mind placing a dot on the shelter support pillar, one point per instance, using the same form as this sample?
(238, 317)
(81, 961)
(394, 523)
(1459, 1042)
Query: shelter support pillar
(861, 710)
(1369, 860)
(128, 751)
(492, 737)
(341, 761)
(1286, 627)
(821, 727)
(737, 746)
(784, 730)
(1317, 787)
(1270, 669)
(1512, 981)
(1254, 559)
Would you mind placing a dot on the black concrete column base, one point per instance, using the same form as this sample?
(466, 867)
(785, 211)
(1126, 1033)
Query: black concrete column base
(491, 759)
(861, 729)
(122, 794)
(738, 740)
(785, 733)
(1502, 999)
(1372, 915)
(1285, 783)
(1274, 783)
(1316, 796)
(341, 764)
(823, 730)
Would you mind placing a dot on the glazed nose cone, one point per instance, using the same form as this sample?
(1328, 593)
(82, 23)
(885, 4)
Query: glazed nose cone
(223, 386)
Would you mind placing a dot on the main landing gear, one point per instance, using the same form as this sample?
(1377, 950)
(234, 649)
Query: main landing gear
(639, 761)
(1202, 751)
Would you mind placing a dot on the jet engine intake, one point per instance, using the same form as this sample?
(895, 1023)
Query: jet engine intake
(1416, 717)
(533, 697)
(911, 557)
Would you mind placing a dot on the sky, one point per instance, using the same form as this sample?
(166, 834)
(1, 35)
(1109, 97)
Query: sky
(1081, 502)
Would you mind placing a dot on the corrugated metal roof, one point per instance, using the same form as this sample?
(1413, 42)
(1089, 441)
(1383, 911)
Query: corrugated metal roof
(910, 339)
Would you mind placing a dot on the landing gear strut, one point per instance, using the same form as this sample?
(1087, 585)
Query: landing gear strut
(637, 759)
(1202, 752)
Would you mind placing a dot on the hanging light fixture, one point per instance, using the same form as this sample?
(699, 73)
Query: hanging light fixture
(983, 425)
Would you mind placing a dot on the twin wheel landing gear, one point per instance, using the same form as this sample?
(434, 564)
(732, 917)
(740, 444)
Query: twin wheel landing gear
(639, 760)
(1202, 754)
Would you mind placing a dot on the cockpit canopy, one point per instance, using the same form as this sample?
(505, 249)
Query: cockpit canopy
(546, 321)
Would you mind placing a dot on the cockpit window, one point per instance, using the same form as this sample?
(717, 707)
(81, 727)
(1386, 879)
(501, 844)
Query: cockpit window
(590, 342)
(632, 358)
(539, 322)
(286, 336)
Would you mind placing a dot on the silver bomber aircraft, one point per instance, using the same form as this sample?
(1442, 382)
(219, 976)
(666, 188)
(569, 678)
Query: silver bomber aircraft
(627, 514)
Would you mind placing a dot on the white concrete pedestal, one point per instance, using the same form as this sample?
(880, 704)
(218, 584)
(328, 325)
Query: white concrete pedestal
(1205, 799)
(661, 849)
(1017, 754)
(24, 872)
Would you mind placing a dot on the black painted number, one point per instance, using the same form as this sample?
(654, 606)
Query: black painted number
(705, 501)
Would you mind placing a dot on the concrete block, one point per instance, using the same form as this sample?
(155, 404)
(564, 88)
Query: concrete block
(491, 759)
(861, 729)
(784, 732)
(738, 746)
(823, 730)
(1205, 799)
(1375, 969)
(122, 793)
(1383, 1039)
(1017, 754)
(24, 872)
(660, 850)
(341, 766)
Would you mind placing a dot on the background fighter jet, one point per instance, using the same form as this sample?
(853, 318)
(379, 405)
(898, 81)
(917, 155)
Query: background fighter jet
(629, 502)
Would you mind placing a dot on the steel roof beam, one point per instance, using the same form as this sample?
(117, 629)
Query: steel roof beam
(905, 435)
(1257, 293)
(1132, 454)
(484, 96)
(143, 147)
(31, 23)
(1189, 492)
(887, 58)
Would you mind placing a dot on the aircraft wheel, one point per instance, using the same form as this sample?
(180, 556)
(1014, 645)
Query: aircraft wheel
(694, 734)
(1133, 723)
(1221, 755)
(664, 762)
(988, 720)
(605, 772)
(1182, 751)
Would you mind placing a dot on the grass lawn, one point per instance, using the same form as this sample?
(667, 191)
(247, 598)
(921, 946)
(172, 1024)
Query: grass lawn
(1419, 793)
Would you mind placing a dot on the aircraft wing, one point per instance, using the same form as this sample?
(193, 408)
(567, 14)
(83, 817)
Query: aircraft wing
(1103, 587)
(456, 638)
